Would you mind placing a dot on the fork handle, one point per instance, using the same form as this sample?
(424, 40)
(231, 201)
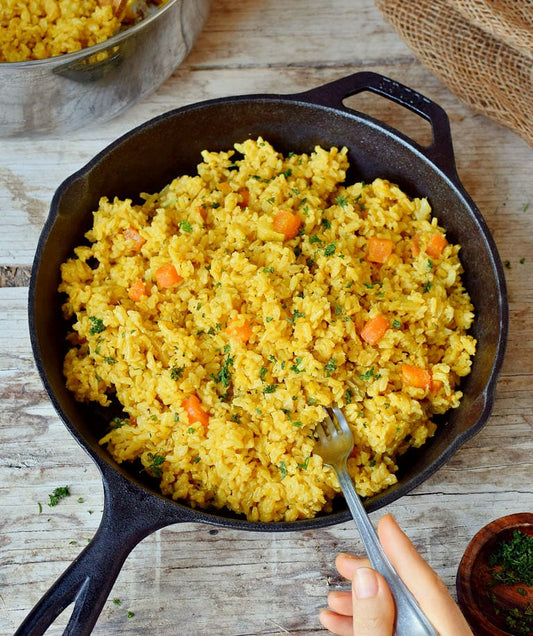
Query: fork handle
(410, 620)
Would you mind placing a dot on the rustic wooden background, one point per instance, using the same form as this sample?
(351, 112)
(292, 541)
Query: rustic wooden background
(190, 578)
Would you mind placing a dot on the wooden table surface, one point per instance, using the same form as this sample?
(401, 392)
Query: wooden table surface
(192, 578)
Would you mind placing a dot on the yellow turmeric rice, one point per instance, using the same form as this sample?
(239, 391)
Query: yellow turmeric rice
(37, 29)
(226, 310)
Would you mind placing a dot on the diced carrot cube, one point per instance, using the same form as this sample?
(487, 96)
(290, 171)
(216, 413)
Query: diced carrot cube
(201, 209)
(239, 330)
(245, 197)
(224, 187)
(374, 329)
(436, 245)
(167, 276)
(286, 223)
(137, 241)
(435, 386)
(137, 290)
(195, 412)
(379, 249)
(416, 376)
(415, 245)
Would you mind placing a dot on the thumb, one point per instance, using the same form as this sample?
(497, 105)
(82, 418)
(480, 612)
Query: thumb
(373, 605)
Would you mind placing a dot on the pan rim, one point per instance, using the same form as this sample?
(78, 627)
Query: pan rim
(392, 493)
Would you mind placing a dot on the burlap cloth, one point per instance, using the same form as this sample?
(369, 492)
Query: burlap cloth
(482, 50)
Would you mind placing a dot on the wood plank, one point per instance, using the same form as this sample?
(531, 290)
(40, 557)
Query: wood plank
(196, 579)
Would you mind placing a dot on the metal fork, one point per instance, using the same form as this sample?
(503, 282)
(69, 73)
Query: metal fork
(335, 443)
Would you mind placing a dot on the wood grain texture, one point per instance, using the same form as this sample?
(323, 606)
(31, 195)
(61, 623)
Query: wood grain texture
(195, 579)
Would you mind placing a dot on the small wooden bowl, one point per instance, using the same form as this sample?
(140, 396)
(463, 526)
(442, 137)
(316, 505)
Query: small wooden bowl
(474, 579)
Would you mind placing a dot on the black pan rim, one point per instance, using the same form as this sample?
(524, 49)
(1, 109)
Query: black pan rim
(327, 519)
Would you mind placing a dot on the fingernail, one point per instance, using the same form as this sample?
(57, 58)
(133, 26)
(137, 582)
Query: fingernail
(365, 583)
(347, 555)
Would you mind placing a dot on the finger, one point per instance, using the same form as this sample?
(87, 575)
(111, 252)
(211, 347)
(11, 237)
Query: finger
(346, 564)
(423, 582)
(373, 605)
(335, 623)
(341, 602)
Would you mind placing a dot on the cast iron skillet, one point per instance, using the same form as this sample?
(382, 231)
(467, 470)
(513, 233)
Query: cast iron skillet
(147, 158)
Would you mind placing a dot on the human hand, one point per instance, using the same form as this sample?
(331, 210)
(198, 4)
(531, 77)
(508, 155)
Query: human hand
(369, 610)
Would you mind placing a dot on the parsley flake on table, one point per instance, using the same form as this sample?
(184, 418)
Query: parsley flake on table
(59, 493)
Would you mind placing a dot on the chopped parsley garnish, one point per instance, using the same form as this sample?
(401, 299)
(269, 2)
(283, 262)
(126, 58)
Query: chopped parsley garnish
(287, 173)
(326, 224)
(119, 422)
(348, 396)
(58, 494)
(296, 366)
(515, 558)
(315, 239)
(341, 201)
(427, 286)
(224, 375)
(262, 373)
(185, 226)
(117, 601)
(270, 388)
(296, 314)
(368, 375)
(329, 250)
(109, 360)
(176, 372)
(97, 325)
(268, 270)
(330, 366)
(396, 324)
(156, 467)
(282, 469)
(305, 464)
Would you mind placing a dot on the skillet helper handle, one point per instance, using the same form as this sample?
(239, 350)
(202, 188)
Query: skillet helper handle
(440, 151)
(410, 620)
(89, 579)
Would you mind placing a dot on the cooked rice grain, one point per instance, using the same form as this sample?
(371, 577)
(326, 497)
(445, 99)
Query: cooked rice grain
(295, 310)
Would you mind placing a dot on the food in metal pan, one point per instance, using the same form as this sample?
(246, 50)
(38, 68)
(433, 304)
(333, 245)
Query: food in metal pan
(225, 311)
(38, 29)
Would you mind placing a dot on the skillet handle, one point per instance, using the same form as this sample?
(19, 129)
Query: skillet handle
(440, 151)
(87, 582)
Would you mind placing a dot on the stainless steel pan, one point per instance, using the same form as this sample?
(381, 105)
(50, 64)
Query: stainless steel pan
(66, 92)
